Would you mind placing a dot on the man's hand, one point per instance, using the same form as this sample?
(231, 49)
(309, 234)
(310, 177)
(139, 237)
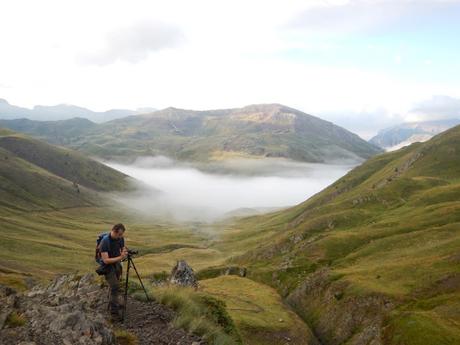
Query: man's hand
(124, 253)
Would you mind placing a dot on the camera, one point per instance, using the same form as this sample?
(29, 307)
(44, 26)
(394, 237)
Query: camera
(132, 252)
(103, 270)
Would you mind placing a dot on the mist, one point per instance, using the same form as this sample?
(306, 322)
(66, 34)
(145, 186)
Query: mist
(207, 192)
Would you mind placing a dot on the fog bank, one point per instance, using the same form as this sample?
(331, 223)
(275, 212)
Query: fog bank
(194, 193)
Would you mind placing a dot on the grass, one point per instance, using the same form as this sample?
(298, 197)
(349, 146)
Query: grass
(198, 312)
(390, 227)
(125, 338)
(257, 310)
(44, 243)
(15, 319)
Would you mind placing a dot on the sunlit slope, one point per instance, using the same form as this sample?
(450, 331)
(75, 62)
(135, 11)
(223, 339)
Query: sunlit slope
(263, 130)
(390, 229)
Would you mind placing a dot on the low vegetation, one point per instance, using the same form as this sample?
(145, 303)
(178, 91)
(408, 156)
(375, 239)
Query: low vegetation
(197, 312)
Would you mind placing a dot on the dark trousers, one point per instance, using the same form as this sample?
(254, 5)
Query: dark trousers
(113, 278)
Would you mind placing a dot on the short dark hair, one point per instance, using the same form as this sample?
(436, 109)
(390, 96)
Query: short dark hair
(118, 227)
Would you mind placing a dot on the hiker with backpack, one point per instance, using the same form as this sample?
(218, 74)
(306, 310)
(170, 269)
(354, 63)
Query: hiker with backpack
(110, 251)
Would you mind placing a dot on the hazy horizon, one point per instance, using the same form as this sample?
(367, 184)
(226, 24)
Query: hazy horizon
(364, 65)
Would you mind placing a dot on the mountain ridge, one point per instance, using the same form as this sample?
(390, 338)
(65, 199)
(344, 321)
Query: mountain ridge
(62, 111)
(258, 130)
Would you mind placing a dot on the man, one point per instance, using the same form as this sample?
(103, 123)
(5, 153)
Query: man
(113, 251)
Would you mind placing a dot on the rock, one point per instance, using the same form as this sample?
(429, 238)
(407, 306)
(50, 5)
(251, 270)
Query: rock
(63, 312)
(182, 274)
(3, 316)
(235, 270)
(6, 291)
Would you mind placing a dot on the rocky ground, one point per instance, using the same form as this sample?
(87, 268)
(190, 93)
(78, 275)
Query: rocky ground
(72, 310)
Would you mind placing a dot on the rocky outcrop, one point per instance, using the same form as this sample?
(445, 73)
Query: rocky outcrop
(336, 316)
(182, 274)
(73, 310)
(64, 312)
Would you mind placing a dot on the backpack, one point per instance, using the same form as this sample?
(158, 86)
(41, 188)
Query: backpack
(97, 255)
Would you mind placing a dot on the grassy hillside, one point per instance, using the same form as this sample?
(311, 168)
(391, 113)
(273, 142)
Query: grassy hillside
(60, 132)
(57, 165)
(267, 130)
(371, 259)
(373, 256)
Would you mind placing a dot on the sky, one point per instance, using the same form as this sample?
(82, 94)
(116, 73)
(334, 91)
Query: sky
(364, 65)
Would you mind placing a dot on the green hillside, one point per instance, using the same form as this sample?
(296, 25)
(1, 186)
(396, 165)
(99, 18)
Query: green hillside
(267, 130)
(373, 256)
(59, 132)
(37, 176)
(372, 259)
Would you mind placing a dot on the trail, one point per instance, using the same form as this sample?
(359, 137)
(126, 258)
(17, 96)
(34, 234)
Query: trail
(151, 323)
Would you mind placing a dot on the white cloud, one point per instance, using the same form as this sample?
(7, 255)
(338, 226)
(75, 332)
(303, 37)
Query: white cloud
(439, 107)
(197, 55)
(134, 43)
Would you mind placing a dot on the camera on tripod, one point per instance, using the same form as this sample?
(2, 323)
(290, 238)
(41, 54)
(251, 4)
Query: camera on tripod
(132, 252)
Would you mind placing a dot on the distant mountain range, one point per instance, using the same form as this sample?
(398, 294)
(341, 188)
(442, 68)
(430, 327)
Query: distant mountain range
(63, 112)
(264, 130)
(404, 134)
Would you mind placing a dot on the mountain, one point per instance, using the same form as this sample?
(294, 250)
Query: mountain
(63, 112)
(373, 258)
(59, 132)
(35, 175)
(398, 136)
(266, 130)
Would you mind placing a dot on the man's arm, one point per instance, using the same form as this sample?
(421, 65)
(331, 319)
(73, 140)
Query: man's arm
(107, 260)
(105, 253)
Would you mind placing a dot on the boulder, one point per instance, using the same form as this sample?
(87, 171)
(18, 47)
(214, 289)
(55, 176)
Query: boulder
(182, 274)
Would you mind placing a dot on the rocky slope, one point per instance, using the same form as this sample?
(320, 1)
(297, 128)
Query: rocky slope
(71, 310)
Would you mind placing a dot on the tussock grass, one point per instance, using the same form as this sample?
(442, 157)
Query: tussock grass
(125, 338)
(15, 319)
(197, 312)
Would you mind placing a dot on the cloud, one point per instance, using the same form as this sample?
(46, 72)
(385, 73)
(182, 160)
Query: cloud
(373, 16)
(134, 43)
(439, 107)
(366, 122)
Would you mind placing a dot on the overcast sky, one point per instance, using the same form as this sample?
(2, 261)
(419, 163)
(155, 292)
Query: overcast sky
(361, 64)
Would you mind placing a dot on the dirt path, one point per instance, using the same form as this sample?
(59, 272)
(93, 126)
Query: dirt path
(150, 322)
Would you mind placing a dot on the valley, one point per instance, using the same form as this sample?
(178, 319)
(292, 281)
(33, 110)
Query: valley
(380, 243)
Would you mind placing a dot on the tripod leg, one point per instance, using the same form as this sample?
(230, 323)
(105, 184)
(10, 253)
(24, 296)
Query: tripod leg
(109, 295)
(126, 292)
(140, 280)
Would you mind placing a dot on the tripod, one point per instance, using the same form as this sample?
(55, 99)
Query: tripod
(131, 263)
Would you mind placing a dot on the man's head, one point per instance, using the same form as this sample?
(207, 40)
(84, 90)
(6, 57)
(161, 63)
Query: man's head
(118, 231)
